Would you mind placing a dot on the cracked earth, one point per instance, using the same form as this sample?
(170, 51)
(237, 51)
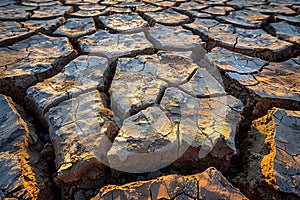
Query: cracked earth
(177, 99)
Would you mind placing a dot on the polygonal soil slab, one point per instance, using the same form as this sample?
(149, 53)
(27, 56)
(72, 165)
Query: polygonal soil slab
(88, 13)
(244, 3)
(285, 31)
(229, 61)
(76, 27)
(255, 43)
(212, 2)
(163, 4)
(83, 74)
(44, 26)
(130, 4)
(173, 38)
(202, 26)
(90, 6)
(146, 77)
(206, 128)
(167, 17)
(269, 9)
(19, 180)
(118, 10)
(114, 45)
(80, 2)
(146, 142)
(144, 91)
(29, 61)
(188, 6)
(51, 12)
(38, 3)
(11, 32)
(269, 84)
(193, 133)
(7, 2)
(109, 2)
(149, 8)
(245, 18)
(218, 10)
(278, 82)
(272, 156)
(209, 184)
(15, 12)
(122, 23)
(81, 132)
(290, 19)
(202, 85)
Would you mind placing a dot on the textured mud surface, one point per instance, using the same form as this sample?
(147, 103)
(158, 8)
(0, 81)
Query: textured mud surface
(145, 99)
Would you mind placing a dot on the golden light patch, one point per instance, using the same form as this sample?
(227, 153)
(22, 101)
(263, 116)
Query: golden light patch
(27, 175)
(266, 125)
(224, 131)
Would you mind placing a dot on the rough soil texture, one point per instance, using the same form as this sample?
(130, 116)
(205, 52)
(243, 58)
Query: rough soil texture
(271, 156)
(24, 172)
(209, 184)
(113, 99)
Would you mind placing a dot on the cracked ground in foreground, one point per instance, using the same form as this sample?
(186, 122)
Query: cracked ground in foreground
(149, 99)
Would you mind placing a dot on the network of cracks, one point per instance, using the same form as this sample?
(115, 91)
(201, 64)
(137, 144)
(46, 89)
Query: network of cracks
(148, 99)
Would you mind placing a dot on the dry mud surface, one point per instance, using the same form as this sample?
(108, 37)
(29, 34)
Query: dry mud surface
(177, 99)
